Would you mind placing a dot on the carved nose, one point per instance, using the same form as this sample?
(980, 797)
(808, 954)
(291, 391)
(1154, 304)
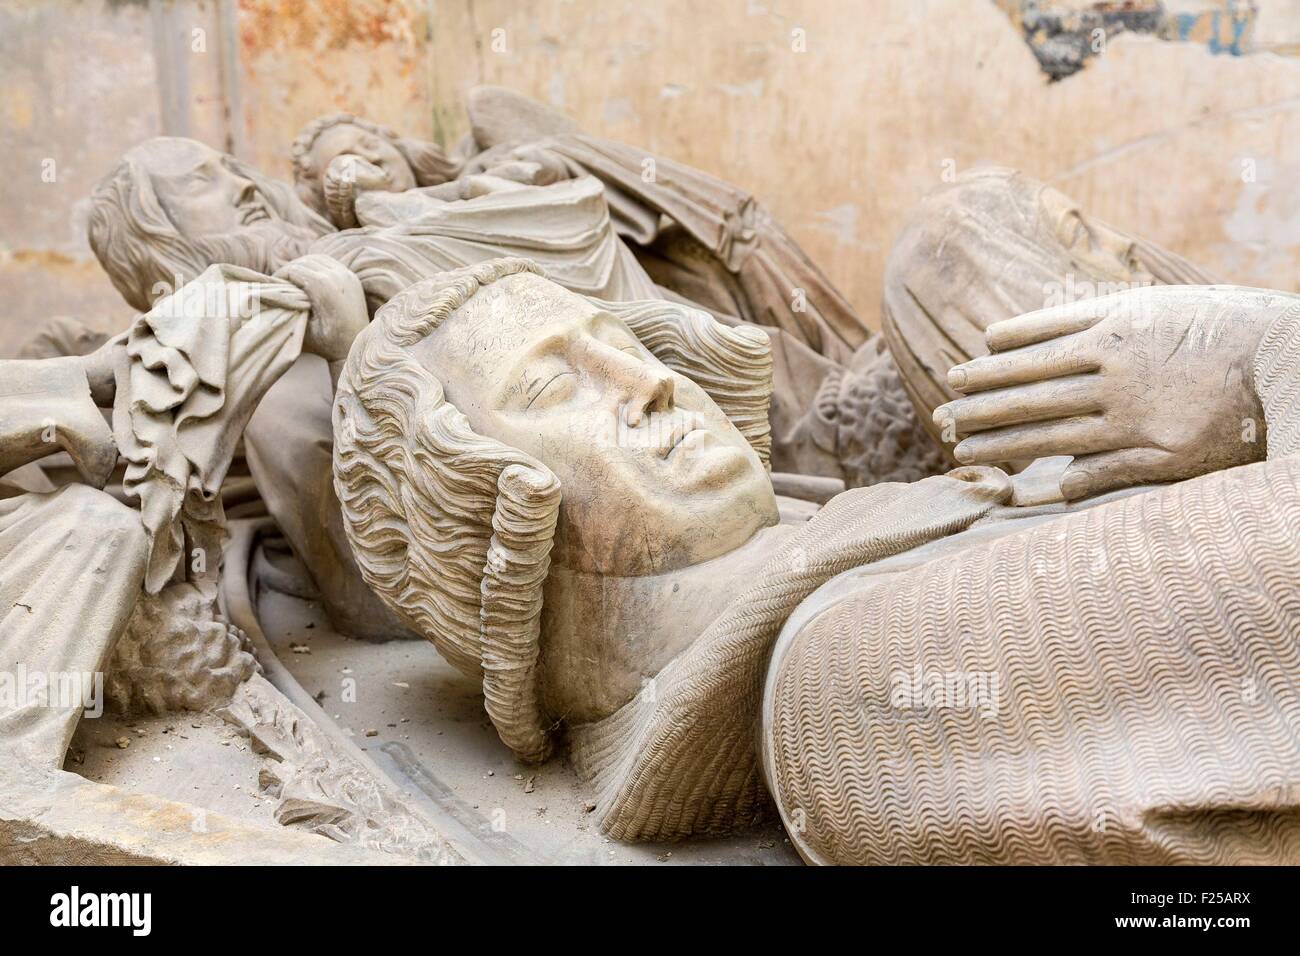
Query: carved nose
(653, 392)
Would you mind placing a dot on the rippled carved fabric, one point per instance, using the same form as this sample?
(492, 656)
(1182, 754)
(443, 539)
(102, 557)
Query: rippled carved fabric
(1143, 656)
(681, 758)
(1138, 664)
(769, 279)
(1277, 383)
(565, 228)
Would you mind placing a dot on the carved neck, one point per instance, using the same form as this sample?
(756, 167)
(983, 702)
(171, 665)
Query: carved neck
(603, 636)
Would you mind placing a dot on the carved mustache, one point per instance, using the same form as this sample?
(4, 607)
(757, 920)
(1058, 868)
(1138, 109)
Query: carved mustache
(253, 210)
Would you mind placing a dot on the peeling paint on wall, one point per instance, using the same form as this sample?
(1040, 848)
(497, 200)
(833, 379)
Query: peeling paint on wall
(300, 59)
(1065, 34)
(1222, 31)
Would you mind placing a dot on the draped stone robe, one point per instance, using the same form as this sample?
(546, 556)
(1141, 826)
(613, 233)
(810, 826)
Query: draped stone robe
(925, 675)
(73, 561)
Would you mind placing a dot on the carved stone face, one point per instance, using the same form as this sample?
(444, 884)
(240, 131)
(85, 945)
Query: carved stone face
(1099, 247)
(200, 194)
(654, 475)
(350, 139)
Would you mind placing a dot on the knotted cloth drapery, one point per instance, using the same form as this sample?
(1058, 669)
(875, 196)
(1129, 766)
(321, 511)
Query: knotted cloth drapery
(189, 374)
(72, 561)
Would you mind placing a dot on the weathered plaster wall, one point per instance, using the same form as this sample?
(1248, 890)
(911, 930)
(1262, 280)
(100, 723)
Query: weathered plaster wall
(1065, 34)
(838, 114)
(81, 81)
(301, 59)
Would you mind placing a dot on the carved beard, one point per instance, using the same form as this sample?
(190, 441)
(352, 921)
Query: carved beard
(263, 246)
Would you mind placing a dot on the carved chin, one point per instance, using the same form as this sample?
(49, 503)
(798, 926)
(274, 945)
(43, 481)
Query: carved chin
(668, 532)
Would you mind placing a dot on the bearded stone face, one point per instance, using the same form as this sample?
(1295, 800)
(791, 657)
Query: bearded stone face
(220, 209)
(173, 207)
(198, 190)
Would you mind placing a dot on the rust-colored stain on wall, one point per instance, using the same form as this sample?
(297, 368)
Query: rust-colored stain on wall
(327, 24)
(300, 59)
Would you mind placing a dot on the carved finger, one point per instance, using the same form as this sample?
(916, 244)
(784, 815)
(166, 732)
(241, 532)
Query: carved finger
(99, 369)
(1036, 402)
(1071, 436)
(1033, 364)
(90, 445)
(1034, 327)
(1096, 474)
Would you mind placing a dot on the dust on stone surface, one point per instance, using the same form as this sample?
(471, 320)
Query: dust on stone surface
(411, 697)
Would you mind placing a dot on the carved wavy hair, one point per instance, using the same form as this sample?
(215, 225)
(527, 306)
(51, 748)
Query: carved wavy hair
(452, 529)
(143, 252)
(430, 165)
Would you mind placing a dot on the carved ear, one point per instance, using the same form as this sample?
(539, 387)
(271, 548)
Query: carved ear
(518, 558)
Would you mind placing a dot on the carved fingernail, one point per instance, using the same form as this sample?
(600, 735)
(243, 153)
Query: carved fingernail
(957, 378)
(963, 454)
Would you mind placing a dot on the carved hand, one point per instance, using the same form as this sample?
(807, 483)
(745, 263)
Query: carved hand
(357, 172)
(346, 177)
(45, 407)
(483, 184)
(1148, 385)
(338, 304)
(531, 164)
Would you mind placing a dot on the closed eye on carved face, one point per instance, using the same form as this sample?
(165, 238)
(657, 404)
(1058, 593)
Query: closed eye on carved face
(199, 191)
(564, 381)
(635, 445)
(350, 139)
(556, 368)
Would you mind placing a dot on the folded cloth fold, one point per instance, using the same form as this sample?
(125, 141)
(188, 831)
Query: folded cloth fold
(189, 374)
